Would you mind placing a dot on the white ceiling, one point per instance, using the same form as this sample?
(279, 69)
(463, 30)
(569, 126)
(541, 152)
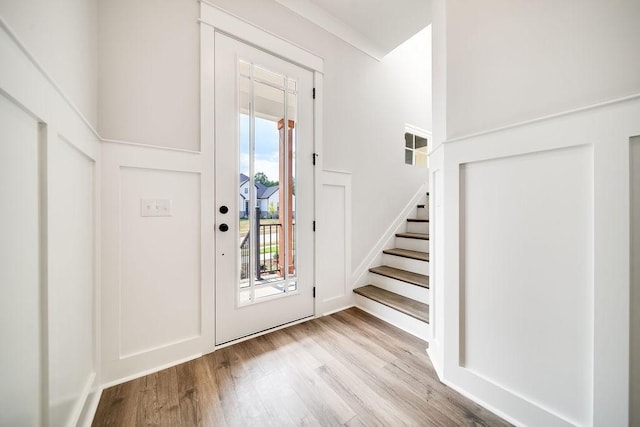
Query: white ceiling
(376, 27)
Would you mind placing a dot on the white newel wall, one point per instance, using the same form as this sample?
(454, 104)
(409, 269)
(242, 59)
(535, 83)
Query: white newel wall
(534, 230)
(50, 162)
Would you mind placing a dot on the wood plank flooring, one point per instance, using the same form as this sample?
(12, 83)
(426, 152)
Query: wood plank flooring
(348, 369)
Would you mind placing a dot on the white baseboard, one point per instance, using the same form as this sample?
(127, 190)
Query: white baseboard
(481, 403)
(90, 408)
(435, 361)
(329, 313)
(76, 413)
(151, 370)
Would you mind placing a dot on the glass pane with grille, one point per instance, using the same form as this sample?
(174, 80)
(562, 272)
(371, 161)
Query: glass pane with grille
(268, 110)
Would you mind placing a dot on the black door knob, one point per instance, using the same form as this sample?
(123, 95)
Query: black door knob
(223, 227)
(224, 209)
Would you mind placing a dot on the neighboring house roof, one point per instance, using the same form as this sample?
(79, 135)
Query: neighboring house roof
(269, 191)
(262, 191)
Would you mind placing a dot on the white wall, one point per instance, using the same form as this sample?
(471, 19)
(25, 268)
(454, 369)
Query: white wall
(532, 318)
(149, 95)
(513, 61)
(62, 37)
(154, 98)
(51, 43)
(149, 79)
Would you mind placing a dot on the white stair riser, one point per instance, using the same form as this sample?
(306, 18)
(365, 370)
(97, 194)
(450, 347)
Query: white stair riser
(422, 213)
(407, 323)
(399, 287)
(412, 244)
(417, 227)
(408, 264)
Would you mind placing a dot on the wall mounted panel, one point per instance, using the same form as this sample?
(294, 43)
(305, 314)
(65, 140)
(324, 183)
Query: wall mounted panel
(634, 395)
(69, 188)
(21, 371)
(526, 259)
(157, 273)
(72, 299)
(160, 295)
(436, 248)
(333, 243)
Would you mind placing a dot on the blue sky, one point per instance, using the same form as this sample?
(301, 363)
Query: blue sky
(267, 140)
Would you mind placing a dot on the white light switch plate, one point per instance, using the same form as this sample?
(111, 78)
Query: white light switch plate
(156, 207)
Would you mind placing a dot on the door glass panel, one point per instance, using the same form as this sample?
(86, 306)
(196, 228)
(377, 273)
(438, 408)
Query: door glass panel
(292, 108)
(268, 77)
(245, 68)
(244, 183)
(267, 183)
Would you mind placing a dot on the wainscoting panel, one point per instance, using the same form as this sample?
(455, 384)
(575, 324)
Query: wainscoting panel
(53, 369)
(159, 259)
(436, 260)
(72, 278)
(526, 276)
(634, 397)
(536, 272)
(333, 243)
(157, 277)
(21, 370)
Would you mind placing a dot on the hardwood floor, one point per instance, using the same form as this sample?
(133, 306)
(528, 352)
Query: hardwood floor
(347, 369)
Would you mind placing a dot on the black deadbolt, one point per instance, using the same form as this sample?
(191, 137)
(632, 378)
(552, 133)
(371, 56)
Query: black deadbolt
(224, 209)
(223, 227)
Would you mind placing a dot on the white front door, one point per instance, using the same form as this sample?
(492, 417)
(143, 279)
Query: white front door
(263, 190)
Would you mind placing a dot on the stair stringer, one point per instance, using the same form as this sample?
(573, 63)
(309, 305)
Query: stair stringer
(359, 277)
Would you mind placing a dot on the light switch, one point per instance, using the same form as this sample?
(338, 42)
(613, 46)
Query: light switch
(156, 207)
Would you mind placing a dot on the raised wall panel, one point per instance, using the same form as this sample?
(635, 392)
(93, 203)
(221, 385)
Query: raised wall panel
(20, 301)
(333, 242)
(64, 306)
(159, 259)
(634, 397)
(71, 279)
(526, 277)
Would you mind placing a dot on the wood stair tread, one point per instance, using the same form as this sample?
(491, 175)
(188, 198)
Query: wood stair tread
(417, 220)
(397, 302)
(402, 275)
(406, 253)
(420, 236)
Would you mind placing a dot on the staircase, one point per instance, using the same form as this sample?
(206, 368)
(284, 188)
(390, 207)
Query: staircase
(398, 289)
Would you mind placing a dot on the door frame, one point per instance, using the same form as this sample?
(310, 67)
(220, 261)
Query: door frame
(214, 20)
